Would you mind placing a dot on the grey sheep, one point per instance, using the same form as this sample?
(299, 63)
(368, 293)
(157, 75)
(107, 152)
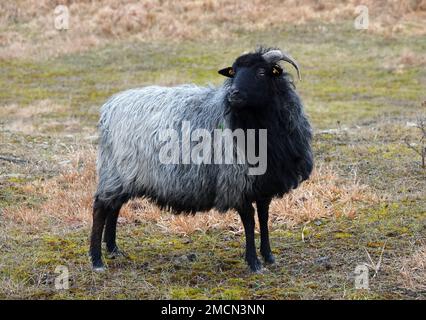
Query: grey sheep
(258, 95)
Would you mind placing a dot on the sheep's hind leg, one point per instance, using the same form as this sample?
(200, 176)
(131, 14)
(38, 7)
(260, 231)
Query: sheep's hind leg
(110, 232)
(263, 215)
(247, 217)
(100, 212)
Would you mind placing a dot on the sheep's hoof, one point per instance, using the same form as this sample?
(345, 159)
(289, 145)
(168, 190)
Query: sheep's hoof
(98, 266)
(255, 265)
(117, 253)
(269, 258)
(99, 269)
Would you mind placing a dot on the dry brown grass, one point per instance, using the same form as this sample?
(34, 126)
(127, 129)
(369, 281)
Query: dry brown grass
(410, 58)
(413, 270)
(407, 59)
(68, 201)
(27, 25)
(31, 119)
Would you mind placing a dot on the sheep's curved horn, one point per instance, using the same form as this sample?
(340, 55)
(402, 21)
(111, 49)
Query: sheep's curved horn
(274, 56)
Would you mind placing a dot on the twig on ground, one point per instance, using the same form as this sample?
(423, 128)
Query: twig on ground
(13, 160)
(421, 151)
(372, 265)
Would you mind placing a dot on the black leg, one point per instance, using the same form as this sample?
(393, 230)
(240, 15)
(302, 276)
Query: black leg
(247, 217)
(100, 213)
(111, 232)
(263, 215)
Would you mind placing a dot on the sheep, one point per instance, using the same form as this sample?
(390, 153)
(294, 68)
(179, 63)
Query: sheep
(257, 94)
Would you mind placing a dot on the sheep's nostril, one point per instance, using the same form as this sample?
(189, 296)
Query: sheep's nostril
(236, 97)
(234, 93)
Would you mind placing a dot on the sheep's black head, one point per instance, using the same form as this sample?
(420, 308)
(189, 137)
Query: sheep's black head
(254, 76)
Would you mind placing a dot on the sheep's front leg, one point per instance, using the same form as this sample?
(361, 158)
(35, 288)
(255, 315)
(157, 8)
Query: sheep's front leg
(263, 215)
(247, 217)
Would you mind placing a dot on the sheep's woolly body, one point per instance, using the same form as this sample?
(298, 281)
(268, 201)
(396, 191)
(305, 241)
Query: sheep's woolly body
(129, 163)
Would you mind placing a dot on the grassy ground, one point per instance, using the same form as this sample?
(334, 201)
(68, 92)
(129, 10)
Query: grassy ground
(361, 92)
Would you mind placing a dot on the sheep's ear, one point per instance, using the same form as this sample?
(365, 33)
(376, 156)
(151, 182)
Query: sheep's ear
(277, 70)
(227, 72)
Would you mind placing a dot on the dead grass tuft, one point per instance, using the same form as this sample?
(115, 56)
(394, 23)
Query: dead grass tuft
(406, 59)
(413, 271)
(31, 119)
(68, 201)
(411, 59)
